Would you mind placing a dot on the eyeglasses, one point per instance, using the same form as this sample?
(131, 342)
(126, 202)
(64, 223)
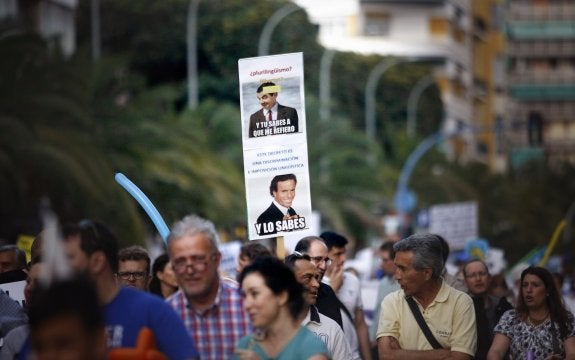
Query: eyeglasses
(319, 259)
(126, 275)
(197, 262)
(299, 255)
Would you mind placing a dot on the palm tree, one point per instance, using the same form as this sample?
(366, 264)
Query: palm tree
(46, 145)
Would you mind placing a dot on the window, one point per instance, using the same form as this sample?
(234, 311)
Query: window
(377, 25)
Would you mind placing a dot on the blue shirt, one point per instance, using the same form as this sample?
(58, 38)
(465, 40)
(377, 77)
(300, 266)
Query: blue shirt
(132, 309)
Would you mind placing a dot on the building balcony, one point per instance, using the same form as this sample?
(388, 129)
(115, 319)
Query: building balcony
(530, 12)
(541, 49)
(541, 30)
(534, 77)
(554, 111)
(560, 146)
(524, 92)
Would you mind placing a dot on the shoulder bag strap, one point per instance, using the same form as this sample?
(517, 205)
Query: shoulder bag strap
(422, 324)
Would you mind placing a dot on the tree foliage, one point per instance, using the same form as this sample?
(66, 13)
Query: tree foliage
(67, 125)
(47, 149)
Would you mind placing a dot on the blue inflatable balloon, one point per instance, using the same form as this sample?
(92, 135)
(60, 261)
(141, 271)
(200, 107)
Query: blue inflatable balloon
(145, 203)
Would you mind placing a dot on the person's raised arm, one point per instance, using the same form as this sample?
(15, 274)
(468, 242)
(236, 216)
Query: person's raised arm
(499, 347)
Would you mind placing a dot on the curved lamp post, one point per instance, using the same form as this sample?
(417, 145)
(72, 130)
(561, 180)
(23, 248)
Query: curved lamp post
(324, 105)
(413, 100)
(273, 21)
(370, 88)
(192, 52)
(325, 84)
(95, 29)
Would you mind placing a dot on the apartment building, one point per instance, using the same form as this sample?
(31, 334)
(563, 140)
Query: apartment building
(465, 35)
(541, 58)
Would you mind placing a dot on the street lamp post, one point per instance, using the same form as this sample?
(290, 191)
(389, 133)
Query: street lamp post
(405, 199)
(324, 106)
(325, 84)
(270, 25)
(370, 89)
(95, 27)
(412, 101)
(192, 54)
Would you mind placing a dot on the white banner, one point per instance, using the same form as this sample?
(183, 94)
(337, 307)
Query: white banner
(275, 145)
(456, 222)
(15, 290)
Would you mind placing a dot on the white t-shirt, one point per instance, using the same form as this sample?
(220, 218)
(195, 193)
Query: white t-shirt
(350, 335)
(349, 293)
(329, 332)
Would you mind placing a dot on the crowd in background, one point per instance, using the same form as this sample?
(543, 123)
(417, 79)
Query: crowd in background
(119, 304)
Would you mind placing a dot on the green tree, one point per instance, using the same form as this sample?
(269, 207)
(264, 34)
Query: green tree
(46, 148)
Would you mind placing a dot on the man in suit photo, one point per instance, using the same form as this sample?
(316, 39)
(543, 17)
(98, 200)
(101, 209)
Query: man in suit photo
(282, 189)
(272, 118)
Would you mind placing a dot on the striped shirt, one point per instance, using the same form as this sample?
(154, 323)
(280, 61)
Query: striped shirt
(217, 330)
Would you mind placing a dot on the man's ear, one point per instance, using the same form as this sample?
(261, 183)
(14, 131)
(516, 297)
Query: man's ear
(218, 257)
(97, 262)
(428, 273)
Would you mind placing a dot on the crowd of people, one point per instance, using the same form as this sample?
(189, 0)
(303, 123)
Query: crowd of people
(119, 304)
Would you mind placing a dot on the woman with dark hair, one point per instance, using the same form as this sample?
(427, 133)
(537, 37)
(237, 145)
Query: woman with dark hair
(163, 281)
(540, 327)
(274, 301)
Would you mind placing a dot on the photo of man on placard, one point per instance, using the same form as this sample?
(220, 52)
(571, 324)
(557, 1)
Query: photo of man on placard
(273, 118)
(280, 215)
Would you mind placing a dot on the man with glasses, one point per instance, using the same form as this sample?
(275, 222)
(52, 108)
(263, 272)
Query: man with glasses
(209, 305)
(488, 308)
(134, 267)
(327, 301)
(92, 249)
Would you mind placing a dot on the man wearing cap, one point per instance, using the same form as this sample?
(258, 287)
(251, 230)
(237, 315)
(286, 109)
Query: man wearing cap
(272, 118)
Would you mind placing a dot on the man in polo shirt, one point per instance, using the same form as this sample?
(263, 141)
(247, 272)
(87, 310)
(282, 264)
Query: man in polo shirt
(324, 327)
(210, 306)
(448, 312)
